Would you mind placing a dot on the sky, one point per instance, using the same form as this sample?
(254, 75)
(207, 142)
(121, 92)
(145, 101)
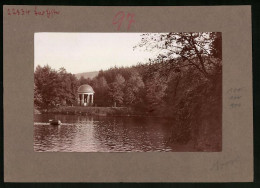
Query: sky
(87, 52)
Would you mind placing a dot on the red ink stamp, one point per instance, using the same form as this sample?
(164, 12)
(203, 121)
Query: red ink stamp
(119, 18)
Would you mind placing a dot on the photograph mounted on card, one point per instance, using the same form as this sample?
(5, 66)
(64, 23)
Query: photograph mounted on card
(125, 91)
(153, 92)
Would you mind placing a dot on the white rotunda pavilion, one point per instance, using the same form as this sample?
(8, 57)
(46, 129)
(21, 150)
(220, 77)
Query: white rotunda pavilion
(85, 95)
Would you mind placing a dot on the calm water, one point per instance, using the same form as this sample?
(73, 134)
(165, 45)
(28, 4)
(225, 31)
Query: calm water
(102, 134)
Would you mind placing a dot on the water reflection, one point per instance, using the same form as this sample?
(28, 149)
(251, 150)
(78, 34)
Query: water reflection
(105, 134)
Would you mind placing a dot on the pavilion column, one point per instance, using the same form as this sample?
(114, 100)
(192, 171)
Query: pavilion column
(88, 99)
(82, 103)
(78, 99)
(92, 99)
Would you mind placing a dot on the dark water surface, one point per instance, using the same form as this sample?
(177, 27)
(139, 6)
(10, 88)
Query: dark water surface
(111, 134)
(100, 134)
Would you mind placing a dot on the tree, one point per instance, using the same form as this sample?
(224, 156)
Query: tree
(73, 89)
(83, 81)
(101, 90)
(155, 92)
(37, 97)
(46, 82)
(53, 88)
(116, 93)
(133, 88)
(216, 49)
(67, 87)
(178, 50)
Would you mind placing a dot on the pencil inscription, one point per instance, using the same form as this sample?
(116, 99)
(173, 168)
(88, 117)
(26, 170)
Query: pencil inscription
(234, 96)
(218, 165)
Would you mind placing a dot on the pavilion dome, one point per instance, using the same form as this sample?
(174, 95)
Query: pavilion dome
(85, 89)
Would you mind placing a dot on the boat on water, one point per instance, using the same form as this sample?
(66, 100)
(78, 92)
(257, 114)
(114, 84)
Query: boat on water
(54, 122)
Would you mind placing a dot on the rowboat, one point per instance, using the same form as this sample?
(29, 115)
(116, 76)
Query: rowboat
(54, 122)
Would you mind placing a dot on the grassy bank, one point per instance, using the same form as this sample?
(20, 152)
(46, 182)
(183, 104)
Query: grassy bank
(95, 111)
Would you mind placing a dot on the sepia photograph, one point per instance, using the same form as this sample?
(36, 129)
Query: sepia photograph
(128, 92)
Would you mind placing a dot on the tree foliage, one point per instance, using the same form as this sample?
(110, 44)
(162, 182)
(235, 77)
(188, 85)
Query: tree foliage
(134, 89)
(200, 50)
(54, 88)
(101, 88)
(116, 91)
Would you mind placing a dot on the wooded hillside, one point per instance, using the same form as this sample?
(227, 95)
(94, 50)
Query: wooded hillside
(185, 79)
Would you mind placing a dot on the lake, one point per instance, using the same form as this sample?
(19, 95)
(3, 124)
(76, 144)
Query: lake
(105, 134)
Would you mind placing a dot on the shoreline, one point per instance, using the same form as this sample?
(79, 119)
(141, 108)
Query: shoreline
(99, 111)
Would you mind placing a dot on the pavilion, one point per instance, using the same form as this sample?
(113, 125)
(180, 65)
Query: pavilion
(85, 95)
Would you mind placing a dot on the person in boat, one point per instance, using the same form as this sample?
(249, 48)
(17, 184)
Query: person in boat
(54, 122)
